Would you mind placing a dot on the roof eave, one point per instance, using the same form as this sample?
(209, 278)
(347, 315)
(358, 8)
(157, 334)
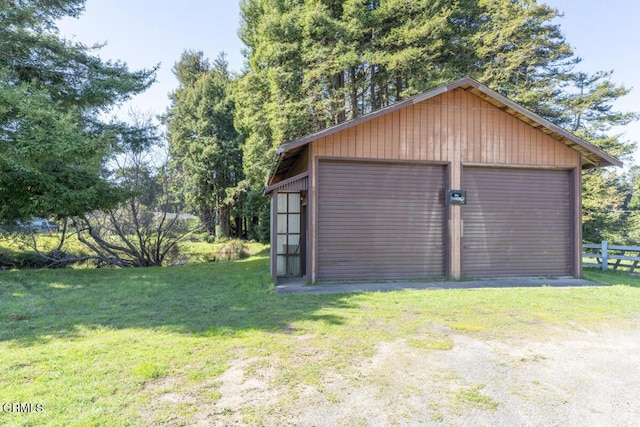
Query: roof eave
(598, 157)
(608, 160)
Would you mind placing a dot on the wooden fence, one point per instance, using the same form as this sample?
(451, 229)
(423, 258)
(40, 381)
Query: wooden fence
(611, 256)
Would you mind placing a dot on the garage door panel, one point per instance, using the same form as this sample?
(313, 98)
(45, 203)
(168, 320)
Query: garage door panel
(516, 222)
(380, 220)
(380, 217)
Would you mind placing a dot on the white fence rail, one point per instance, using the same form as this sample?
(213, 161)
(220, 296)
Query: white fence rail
(611, 256)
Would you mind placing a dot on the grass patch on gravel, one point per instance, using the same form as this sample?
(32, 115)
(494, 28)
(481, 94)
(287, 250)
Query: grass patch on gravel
(442, 342)
(472, 396)
(153, 346)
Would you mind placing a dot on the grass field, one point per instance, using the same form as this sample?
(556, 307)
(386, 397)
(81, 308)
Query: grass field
(109, 347)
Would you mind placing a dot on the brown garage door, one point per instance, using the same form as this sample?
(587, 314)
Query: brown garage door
(380, 220)
(516, 222)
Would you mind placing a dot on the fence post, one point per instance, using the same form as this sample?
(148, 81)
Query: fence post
(605, 255)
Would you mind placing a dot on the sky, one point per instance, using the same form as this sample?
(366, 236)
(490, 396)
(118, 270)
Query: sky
(144, 33)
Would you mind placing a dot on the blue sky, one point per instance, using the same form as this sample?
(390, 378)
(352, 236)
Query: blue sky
(146, 32)
(143, 33)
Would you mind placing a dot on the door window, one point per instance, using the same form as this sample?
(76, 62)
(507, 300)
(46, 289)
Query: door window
(288, 239)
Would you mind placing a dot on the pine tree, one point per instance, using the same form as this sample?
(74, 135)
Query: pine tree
(520, 51)
(203, 143)
(587, 111)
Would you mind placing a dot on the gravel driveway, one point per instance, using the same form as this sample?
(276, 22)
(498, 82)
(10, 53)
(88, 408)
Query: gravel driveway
(564, 377)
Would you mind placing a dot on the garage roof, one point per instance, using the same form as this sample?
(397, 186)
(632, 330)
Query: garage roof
(592, 156)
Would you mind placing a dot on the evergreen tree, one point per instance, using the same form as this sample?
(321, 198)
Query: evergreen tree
(586, 110)
(632, 235)
(604, 201)
(520, 51)
(525, 56)
(53, 142)
(203, 143)
(315, 63)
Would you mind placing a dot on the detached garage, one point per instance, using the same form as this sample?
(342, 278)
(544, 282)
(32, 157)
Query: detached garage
(457, 182)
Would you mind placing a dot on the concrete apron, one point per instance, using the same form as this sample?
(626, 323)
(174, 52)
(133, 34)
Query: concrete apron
(297, 286)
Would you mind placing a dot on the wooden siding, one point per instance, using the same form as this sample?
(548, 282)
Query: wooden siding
(380, 220)
(458, 129)
(517, 222)
(453, 126)
(298, 182)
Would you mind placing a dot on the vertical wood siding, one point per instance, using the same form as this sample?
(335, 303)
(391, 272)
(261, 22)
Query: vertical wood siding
(456, 128)
(455, 124)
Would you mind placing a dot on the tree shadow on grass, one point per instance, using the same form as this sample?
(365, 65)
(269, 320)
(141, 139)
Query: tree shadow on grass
(205, 299)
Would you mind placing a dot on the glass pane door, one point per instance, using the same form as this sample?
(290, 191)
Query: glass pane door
(288, 239)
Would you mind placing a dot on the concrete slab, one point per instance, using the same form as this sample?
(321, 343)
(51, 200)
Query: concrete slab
(298, 287)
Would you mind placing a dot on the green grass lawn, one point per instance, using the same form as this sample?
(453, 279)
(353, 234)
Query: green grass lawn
(105, 347)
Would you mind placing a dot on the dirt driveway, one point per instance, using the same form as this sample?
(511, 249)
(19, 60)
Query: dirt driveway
(569, 377)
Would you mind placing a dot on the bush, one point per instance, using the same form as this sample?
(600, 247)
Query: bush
(31, 259)
(24, 260)
(231, 250)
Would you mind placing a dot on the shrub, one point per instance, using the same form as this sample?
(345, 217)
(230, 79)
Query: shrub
(231, 250)
(31, 259)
